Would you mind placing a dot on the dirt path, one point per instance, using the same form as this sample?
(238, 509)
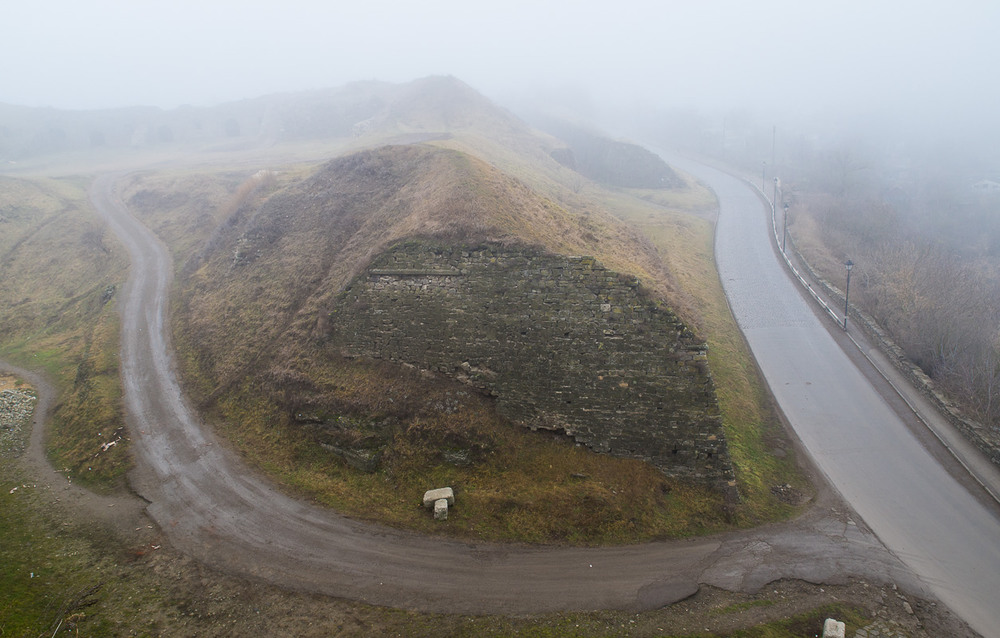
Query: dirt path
(118, 513)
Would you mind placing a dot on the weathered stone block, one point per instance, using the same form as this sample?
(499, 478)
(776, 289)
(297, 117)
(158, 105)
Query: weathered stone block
(433, 496)
(441, 509)
(834, 629)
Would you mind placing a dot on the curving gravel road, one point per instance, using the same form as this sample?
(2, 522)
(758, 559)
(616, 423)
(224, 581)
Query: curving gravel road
(211, 506)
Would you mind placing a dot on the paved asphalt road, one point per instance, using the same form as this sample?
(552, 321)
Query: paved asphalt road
(864, 448)
(213, 507)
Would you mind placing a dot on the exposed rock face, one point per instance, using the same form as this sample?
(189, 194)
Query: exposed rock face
(561, 342)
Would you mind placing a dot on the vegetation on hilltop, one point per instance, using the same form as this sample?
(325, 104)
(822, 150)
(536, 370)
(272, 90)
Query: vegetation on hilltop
(926, 271)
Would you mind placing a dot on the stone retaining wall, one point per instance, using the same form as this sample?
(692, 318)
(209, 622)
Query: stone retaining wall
(561, 342)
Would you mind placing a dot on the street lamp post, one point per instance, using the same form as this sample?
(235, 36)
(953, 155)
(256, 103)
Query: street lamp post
(774, 198)
(763, 172)
(847, 292)
(784, 228)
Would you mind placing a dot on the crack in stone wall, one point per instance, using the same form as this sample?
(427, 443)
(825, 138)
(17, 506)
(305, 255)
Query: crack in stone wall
(561, 342)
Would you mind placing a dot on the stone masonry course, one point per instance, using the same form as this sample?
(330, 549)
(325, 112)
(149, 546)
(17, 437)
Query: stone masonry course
(562, 343)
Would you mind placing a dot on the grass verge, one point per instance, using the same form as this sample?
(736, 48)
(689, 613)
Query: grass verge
(758, 445)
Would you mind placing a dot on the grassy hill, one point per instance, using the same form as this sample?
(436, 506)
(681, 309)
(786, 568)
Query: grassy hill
(249, 324)
(285, 254)
(262, 250)
(253, 298)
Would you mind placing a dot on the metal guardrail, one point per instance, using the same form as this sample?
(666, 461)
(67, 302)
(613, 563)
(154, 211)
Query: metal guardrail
(788, 262)
(840, 322)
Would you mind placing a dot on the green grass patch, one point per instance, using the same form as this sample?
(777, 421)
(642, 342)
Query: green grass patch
(743, 606)
(807, 624)
(522, 486)
(48, 575)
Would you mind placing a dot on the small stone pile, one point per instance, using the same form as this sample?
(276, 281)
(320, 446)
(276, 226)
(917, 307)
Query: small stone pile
(16, 407)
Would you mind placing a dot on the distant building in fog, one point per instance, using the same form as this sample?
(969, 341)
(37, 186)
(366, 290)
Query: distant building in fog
(986, 186)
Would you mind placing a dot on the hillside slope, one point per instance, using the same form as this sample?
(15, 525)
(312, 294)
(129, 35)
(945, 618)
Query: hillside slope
(257, 305)
(269, 273)
(436, 106)
(253, 329)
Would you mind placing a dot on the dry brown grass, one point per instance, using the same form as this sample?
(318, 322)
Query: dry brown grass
(57, 314)
(522, 486)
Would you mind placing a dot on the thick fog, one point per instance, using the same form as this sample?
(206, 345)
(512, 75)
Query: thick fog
(918, 60)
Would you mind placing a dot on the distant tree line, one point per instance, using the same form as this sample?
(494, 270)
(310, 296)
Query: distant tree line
(927, 257)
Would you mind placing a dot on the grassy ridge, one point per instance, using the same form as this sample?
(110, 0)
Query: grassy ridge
(61, 271)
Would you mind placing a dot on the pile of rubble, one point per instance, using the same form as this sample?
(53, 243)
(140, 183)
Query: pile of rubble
(16, 407)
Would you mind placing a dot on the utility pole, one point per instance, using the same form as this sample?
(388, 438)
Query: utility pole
(774, 136)
(784, 228)
(724, 137)
(847, 292)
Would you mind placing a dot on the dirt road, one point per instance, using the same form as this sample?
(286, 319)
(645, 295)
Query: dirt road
(213, 507)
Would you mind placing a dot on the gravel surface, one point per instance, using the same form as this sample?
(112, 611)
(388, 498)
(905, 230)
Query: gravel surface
(16, 407)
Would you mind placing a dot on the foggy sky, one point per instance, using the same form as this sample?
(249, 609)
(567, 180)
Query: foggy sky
(918, 59)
